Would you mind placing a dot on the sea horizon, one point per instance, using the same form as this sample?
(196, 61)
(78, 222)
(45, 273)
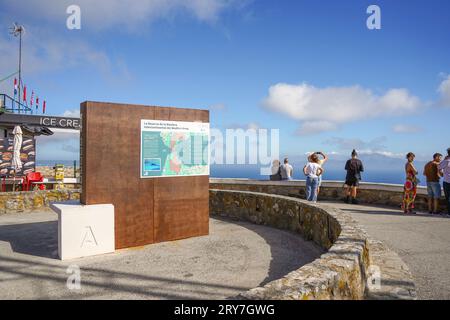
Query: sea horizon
(389, 176)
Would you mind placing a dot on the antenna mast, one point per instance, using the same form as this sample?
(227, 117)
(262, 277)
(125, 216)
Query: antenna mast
(17, 31)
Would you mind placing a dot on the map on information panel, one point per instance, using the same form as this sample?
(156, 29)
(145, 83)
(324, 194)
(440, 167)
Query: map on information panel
(174, 148)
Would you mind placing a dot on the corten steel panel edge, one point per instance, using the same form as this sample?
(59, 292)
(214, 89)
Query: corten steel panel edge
(83, 135)
(205, 112)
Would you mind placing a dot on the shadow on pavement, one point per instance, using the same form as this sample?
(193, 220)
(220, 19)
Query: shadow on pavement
(37, 239)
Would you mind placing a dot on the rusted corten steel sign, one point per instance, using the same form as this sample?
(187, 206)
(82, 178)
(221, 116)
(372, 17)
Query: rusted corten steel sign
(146, 210)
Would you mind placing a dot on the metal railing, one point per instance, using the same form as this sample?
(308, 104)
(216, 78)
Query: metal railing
(9, 104)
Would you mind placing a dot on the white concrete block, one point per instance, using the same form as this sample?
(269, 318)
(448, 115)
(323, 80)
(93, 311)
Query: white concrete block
(84, 230)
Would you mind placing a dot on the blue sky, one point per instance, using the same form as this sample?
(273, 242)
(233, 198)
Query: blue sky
(309, 68)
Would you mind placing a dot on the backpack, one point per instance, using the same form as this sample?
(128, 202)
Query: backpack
(353, 168)
(277, 176)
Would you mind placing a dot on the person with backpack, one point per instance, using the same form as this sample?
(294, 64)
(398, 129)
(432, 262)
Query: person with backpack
(354, 167)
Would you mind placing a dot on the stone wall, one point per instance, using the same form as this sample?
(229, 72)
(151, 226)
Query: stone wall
(368, 193)
(344, 272)
(15, 202)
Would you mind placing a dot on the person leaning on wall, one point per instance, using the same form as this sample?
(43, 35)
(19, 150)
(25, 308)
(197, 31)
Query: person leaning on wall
(287, 171)
(276, 171)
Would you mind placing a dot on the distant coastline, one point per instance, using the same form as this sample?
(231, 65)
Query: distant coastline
(253, 172)
(377, 176)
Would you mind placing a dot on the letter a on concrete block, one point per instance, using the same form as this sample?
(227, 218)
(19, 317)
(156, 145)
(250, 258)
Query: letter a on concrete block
(89, 238)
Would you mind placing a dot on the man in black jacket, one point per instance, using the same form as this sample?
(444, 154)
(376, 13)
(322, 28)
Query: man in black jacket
(354, 168)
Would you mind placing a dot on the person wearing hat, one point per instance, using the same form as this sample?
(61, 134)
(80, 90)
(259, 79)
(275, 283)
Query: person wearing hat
(445, 167)
(354, 168)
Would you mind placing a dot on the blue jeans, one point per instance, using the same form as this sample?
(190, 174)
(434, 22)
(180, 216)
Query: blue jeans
(447, 195)
(434, 190)
(311, 188)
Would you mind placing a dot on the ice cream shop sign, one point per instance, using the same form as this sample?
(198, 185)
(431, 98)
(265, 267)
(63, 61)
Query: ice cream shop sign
(44, 121)
(57, 122)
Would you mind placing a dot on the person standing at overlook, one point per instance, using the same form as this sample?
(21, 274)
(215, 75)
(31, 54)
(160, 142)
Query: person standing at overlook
(276, 171)
(321, 162)
(445, 167)
(433, 174)
(312, 171)
(354, 168)
(286, 170)
(410, 186)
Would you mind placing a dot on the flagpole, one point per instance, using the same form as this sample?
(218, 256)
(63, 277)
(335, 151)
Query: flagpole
(17, 30)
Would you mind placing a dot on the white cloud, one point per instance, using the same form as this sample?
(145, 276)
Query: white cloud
(254, 126)
(72, 113)
(374, 145)
(373, 148)
(406, 128)
(246, 126)
(129, 15)
(60, 136)
(324, 109)
(444, 90)
(387, 154)
(47, 52)
(218, 107)
(312, 127)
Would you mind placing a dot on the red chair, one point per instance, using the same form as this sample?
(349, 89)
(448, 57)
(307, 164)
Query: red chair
(33, 177)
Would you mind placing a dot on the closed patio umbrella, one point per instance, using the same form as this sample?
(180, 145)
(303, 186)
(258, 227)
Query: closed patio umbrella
(17, 146)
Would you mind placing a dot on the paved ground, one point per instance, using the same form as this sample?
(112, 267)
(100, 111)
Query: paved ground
(233, 258)
(422, 241)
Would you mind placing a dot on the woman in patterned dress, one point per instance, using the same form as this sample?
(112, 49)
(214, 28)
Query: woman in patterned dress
(410, 187)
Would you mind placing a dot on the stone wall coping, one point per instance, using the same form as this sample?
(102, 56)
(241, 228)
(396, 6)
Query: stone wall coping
(38, 192)
(27, 201)
(325, 183)
(344, 271)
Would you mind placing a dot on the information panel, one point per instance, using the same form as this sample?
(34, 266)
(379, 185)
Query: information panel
(174, 148)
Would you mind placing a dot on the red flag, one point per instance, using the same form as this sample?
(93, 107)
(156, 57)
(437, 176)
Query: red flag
(32, 98)
(24, 94)
(43, 107)
(37, 103)
(15, 88)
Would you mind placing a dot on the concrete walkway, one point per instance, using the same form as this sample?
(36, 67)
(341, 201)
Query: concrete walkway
(235, 257)
(422, 241)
